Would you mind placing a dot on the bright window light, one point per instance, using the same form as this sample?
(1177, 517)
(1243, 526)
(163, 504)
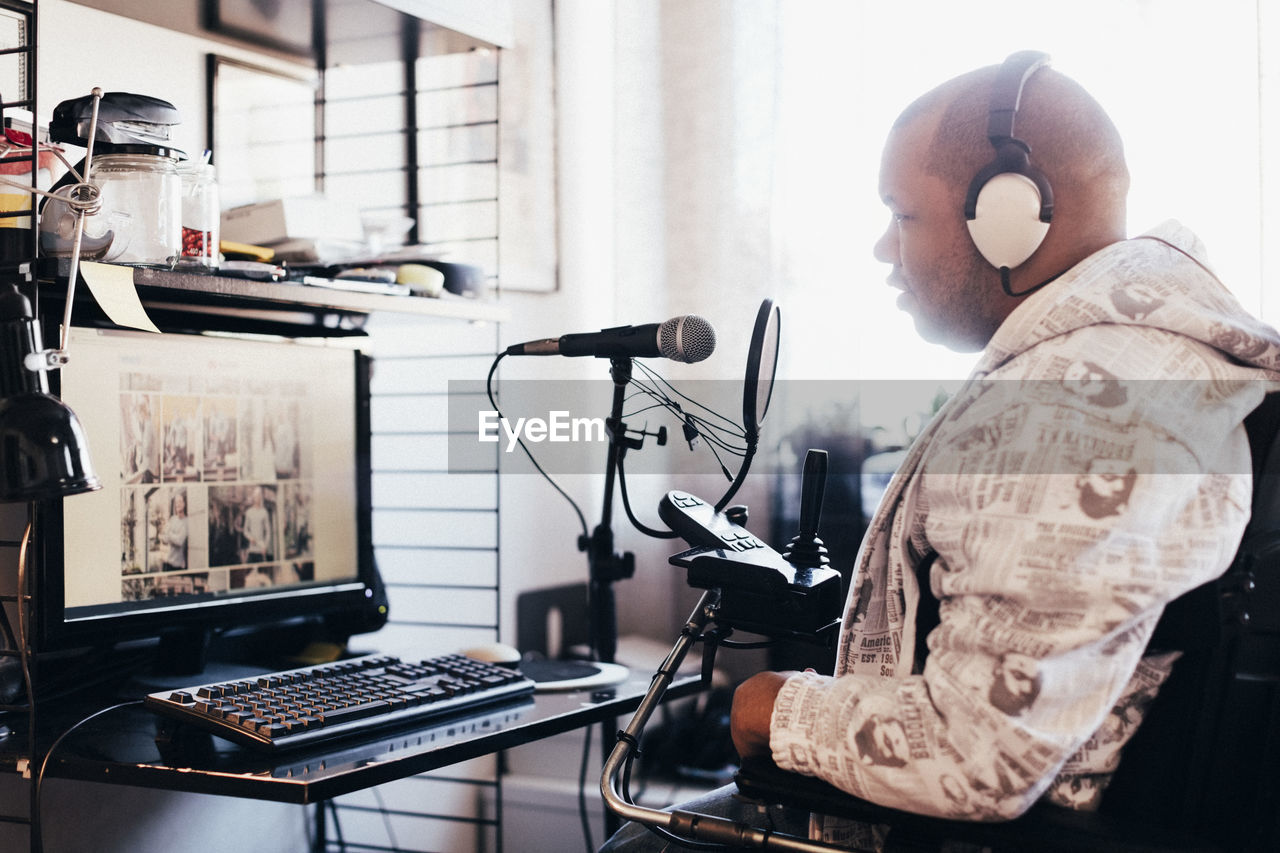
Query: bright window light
(1180, 78)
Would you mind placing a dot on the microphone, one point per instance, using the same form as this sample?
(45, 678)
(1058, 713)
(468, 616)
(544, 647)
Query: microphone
(688, 339)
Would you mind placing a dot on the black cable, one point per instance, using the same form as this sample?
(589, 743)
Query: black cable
(747, 453)
(724, 469)
(37, 842)
(625, 793)
(657, 377)
(488, 388)
(660, 400)
(709, 430)
(752, 444)
(664, 834)
(626, 506)
(1007, 287)
(582, 790)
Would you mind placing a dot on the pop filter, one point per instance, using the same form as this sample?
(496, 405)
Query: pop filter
(762, 364)
(757, 387)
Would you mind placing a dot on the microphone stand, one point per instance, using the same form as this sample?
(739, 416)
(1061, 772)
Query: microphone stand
(606, 565)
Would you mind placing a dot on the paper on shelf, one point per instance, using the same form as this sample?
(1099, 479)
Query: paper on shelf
(112, 287)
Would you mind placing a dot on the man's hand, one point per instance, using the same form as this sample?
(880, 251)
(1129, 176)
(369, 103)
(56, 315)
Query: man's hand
(752, 708)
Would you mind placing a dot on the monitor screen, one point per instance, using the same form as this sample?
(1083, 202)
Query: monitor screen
(235, 486)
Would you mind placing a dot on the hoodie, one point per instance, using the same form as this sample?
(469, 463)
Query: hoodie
(1092, 469)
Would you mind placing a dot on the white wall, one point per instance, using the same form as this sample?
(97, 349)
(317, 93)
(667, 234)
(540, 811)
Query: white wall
(643, 236)
(539, 530)
(80, 48)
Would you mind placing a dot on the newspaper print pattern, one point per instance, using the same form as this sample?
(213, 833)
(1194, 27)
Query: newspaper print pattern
(1076, 484)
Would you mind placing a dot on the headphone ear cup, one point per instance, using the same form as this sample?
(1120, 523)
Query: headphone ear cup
(1006, 225)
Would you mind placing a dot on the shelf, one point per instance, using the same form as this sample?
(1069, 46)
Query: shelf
(159, 286)
(132, 746)
(358, 30)
(188, 301)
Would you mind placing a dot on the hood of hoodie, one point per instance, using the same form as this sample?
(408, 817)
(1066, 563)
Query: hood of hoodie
(1158, 280)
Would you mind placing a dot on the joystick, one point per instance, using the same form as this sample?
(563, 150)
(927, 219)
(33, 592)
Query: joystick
(806, 549)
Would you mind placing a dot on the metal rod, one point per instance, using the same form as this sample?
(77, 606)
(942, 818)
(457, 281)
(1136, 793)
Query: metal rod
(11, 182)
(662, 679)
(74, 272)
(688, 825)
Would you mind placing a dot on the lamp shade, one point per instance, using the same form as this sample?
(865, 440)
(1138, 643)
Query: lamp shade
(43, 450)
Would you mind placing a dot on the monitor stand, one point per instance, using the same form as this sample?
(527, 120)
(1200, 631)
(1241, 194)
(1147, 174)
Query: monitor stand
(182, 651)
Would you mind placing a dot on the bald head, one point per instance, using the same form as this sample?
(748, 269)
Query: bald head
(1072, 141)
(934, 151)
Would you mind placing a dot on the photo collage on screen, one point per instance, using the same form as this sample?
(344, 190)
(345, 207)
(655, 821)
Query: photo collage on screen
(216, 485)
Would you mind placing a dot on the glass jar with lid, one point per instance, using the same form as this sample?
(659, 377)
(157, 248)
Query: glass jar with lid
(139, 222)
(201, 215)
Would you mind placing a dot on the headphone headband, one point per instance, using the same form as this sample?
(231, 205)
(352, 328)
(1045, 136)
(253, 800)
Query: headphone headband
(1009, 204)
(1006, 95)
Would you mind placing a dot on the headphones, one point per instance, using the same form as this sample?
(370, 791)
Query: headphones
(1009, 204)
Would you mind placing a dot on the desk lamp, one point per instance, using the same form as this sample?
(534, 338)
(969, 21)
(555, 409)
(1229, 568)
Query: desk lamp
(43, 450)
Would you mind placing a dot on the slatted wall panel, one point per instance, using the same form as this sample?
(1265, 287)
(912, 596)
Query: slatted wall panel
(456, 108)
(365, 142)
(435, 532)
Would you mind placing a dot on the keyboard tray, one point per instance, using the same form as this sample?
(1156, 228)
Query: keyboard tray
(314, 704)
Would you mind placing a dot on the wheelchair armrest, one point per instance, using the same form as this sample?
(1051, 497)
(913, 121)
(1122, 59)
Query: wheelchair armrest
(1044, 827)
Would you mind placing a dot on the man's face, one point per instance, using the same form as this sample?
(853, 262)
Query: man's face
(1084, 378)
(946, 284)
(1107, 477)
(1019, 674)
(891, 739)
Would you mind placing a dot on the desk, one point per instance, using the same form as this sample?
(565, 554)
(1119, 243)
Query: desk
(120, 747)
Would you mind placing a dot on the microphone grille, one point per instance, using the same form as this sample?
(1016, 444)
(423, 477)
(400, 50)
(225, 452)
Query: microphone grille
(689, 338)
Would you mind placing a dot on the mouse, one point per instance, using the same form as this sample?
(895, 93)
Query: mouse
(499, 653)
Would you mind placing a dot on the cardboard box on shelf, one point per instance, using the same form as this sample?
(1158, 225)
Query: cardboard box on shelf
(305, 217)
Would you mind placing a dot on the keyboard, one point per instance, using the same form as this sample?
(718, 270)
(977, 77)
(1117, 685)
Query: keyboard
(313, 704)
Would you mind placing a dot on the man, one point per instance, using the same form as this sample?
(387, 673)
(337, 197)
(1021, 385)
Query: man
(882, 741)
(1105, 487)
(1093, 383)
(986, 507)
(1015, 683)
(175, 533)
(260, 541)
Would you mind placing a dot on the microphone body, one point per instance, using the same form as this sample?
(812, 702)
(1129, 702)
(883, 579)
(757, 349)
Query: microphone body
(687, 339)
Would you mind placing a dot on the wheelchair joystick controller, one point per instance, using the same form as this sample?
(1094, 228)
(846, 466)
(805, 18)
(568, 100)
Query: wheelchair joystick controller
(761, 591)
(806, 551)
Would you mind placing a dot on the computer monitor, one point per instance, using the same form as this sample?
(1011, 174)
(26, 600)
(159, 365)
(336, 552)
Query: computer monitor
(236, 488)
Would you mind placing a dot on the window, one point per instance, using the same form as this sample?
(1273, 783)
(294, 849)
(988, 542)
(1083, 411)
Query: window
(1184, 82)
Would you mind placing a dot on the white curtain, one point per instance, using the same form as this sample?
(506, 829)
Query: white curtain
(750, 135)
